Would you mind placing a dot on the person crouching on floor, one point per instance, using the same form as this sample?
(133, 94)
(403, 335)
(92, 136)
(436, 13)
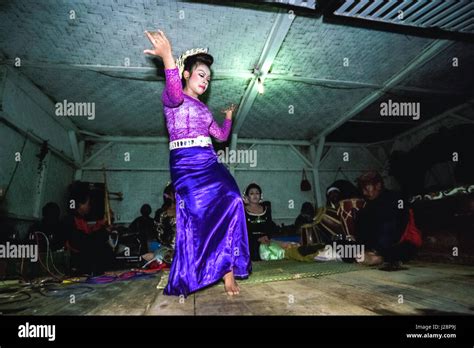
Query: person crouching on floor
(385, 226)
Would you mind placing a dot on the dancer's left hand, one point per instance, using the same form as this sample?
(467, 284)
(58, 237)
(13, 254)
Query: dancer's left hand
(229, 111)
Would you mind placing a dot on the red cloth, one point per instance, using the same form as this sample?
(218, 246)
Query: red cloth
(412, 233)
(157, 266)
(81, 225)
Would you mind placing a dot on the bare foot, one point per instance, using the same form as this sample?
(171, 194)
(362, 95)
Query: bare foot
(230, 286)
(372, 259)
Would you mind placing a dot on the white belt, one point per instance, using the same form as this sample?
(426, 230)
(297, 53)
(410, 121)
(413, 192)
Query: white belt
(189, 142)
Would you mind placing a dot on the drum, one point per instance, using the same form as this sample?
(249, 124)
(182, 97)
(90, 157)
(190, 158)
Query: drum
(347, 211)
(309, 235)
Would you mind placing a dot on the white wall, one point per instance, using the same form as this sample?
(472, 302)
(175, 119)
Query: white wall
(278, 171)
(30, 185)
(352, 161)
(146, 184)
(26, 120)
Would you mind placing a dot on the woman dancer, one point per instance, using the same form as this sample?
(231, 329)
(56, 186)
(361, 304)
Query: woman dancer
(211, 234)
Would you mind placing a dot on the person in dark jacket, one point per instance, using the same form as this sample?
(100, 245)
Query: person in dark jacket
(306, 215)
(382, 222)
(88, 244)
(50, 226)
(143, 226)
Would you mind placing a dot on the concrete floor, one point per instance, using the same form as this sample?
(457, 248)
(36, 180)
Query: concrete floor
(422, 289)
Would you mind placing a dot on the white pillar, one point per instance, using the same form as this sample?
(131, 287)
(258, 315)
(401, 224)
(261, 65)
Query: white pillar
(316, 158)
(233, 146)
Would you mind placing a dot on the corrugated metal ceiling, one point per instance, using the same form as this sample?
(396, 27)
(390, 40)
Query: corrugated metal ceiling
(84, 60)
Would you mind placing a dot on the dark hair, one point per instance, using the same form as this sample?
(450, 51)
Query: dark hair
(307, 209)
(169, 191)
(371, 177)
(192, 61)
(79, 192)
(251, 186)
(51, 210)
(145, 210)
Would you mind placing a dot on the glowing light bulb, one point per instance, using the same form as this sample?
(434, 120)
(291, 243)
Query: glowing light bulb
(260, 87)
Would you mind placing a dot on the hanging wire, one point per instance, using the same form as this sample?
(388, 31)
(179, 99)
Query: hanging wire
(16, 165)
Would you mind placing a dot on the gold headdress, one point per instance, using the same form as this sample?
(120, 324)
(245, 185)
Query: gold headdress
(188, 53)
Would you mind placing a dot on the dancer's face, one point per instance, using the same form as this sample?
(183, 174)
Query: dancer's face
(199, 80)
(254, 196)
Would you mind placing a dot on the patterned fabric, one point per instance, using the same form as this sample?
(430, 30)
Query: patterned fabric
(328, 224)
(348, 210)
(467, 189)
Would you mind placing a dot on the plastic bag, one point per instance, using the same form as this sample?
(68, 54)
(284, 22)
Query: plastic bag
(272, 251)
(412, 233)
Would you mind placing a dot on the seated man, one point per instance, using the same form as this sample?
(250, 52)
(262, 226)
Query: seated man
(306, 215)
(50, 226)
(328, 223)
(87, 243)
(382, 223)
(144, 227)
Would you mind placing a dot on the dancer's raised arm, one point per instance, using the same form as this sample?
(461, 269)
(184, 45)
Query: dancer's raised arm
(173, 93)
(222, 133)
(161, 48)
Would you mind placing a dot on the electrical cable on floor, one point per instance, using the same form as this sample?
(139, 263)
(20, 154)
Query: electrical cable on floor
(129, 275)
(57, 286)
(13, 295)
(41, 261)
(66, 291)
(17, 296)
(48, 255)
(21, 293)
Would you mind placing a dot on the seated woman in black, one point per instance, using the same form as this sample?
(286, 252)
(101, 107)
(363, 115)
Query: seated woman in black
(260, 226)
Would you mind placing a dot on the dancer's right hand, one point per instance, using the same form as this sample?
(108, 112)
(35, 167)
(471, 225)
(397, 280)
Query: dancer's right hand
(161, 44)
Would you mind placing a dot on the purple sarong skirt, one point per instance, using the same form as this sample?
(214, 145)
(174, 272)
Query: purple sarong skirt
(211, 231)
